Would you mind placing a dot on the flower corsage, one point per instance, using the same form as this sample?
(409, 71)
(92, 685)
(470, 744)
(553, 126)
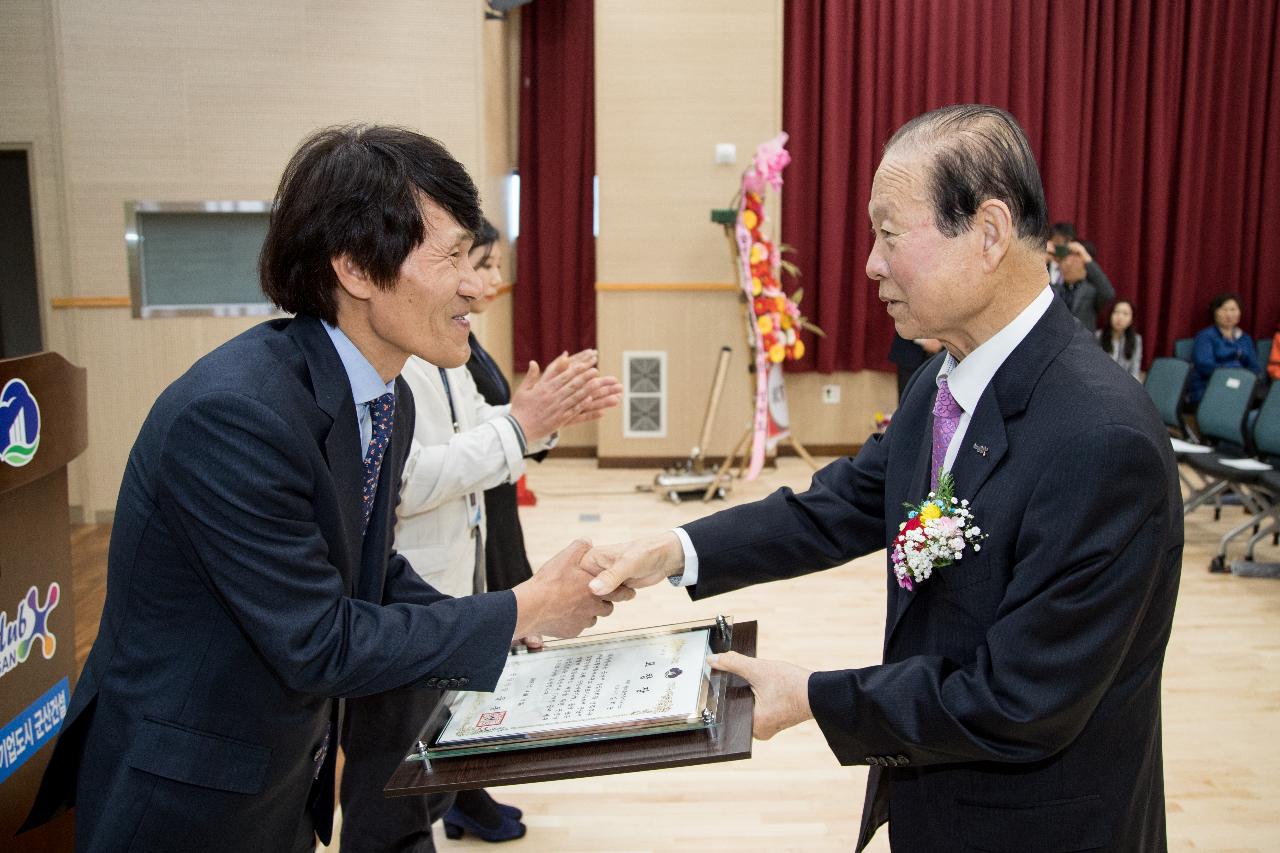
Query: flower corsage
(934, 535)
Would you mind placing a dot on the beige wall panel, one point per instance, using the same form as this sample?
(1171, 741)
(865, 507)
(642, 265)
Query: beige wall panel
(499, 38)
(500, 44)
(165, 101)
(672, 79)
(848, 422)
(690, 327)
(583, 435)
(130, 362)
(25, 63)
(195, 91)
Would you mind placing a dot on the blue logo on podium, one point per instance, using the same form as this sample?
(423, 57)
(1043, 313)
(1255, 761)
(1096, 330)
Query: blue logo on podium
(23, 736)
(19, 423)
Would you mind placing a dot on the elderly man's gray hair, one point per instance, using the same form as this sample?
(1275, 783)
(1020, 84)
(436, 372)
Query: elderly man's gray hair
(977, 152)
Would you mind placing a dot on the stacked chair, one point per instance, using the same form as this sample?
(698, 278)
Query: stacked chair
(1225, 418)
(1166, 384)
(1266, 437)
(1221, 418)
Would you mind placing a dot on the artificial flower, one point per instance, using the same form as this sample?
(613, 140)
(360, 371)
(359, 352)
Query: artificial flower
(767, 165)
(934, 535)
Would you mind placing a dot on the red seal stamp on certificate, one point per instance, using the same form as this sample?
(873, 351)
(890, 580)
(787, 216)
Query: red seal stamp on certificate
(490, 718)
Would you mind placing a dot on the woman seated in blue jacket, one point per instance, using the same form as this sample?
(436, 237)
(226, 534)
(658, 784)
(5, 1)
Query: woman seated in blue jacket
(1224, 344)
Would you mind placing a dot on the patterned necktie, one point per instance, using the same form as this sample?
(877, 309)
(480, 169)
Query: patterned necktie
(381, 411)
(946, 417)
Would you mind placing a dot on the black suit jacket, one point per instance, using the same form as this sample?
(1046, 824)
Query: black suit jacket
(1018, 703)
(242, 597)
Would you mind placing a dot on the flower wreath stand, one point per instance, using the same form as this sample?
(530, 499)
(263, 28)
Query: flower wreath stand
(771, 319)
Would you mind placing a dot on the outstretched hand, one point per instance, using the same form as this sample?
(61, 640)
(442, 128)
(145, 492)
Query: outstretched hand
(781, 690)
(570, 391)
(636, 564)
(556, 599)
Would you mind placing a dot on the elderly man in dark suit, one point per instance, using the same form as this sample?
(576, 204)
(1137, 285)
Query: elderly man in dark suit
(251, 576)
(1017, 706)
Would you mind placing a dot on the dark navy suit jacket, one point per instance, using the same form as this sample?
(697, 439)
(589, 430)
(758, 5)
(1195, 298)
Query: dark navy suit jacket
(241, 598)
(1018, 704)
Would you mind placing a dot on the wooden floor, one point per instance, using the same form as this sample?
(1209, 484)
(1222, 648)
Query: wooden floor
(1221, 692)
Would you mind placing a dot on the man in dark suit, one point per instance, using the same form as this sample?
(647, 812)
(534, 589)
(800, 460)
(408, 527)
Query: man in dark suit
(251, 577)
(1017, 706)
(1081, 284)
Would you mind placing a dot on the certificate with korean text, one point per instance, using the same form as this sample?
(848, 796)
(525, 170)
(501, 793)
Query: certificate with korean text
(626, 683)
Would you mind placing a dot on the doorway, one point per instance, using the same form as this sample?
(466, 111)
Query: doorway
(19, 292)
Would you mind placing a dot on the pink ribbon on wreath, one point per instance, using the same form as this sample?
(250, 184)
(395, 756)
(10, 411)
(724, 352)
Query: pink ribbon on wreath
(765, 171)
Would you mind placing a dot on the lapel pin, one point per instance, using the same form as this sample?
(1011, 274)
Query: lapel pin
(981, 448)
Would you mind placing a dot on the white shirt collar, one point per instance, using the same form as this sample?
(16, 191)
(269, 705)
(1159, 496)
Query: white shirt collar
(969, 378)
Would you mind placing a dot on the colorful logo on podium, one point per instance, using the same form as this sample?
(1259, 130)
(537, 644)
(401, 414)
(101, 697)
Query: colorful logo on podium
(19, 423)
(31, 623)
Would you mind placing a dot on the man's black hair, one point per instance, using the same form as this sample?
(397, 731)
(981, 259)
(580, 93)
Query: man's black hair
(356, 191)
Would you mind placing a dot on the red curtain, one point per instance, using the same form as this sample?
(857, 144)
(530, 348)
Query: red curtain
(1156, 124)
(555, 306)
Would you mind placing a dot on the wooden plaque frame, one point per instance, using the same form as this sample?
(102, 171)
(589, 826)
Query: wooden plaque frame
(731, 742)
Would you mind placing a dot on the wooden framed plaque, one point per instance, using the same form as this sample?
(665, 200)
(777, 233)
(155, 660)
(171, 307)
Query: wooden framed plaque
(437, 764)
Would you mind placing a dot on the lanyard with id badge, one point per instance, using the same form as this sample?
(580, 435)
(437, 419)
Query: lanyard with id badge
(473, 500)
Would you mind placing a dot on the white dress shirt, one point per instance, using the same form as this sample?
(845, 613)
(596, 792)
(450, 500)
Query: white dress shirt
(967, 379)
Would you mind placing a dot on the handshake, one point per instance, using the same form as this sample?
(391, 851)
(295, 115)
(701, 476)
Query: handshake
(579, 585)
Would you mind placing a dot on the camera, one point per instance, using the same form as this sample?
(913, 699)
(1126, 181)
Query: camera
(1061, 250)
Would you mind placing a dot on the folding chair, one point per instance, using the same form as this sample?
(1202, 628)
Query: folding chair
(1264, 351)
(1184, 348)
(1249, 482)
(1266, 437)
(1221, 417)
(1166, 385)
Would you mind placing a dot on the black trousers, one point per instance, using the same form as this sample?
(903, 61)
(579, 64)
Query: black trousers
(505, 561)
(377, 733)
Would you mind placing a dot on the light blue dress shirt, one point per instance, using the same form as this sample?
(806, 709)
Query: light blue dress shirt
(366, 384)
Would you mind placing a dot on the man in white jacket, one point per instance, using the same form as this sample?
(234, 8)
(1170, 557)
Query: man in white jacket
(461, 447)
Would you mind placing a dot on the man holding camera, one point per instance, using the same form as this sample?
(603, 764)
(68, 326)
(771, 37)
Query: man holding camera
(1076, 278)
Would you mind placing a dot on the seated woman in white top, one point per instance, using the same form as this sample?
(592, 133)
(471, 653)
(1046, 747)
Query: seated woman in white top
(1120, 340)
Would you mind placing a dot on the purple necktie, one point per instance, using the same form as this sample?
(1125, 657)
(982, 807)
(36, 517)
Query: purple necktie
(946, 417)
(381, 411)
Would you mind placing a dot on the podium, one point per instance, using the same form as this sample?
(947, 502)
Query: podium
(43, 426)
